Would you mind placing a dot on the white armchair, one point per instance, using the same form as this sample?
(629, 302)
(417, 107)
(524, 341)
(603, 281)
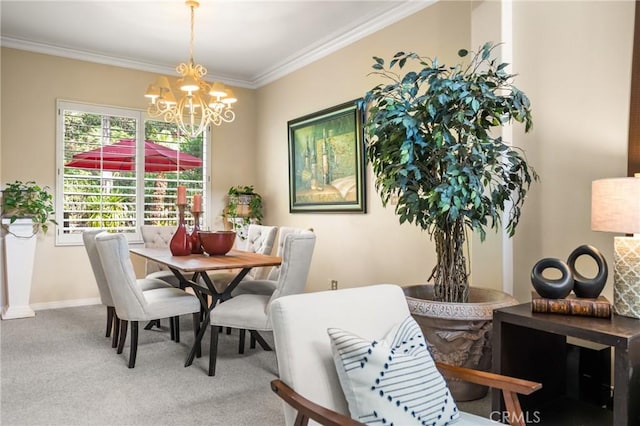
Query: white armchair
(309, 382)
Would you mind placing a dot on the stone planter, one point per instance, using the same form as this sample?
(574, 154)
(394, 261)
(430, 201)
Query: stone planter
(459, 333)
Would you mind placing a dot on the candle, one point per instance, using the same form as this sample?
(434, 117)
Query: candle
(182, 195)
(197, 203)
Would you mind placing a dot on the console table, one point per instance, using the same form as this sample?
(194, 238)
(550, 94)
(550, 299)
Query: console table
(533, 346)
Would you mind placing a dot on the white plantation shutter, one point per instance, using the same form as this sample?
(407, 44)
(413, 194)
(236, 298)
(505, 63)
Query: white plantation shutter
(94, 192)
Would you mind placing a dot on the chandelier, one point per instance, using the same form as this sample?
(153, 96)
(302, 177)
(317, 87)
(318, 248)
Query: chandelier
(199, 103)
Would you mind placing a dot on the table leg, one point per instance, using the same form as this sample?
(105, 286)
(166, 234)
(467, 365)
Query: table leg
(215, 297)
(196, 344)
(626, 390)
(263, 343)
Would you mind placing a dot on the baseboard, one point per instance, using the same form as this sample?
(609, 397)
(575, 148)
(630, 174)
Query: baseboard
(65, 304)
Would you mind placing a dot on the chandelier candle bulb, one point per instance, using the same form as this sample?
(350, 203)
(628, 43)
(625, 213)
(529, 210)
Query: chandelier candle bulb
(182, 195)
(197, 203)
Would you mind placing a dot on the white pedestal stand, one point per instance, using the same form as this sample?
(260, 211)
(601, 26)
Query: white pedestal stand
(19, 253)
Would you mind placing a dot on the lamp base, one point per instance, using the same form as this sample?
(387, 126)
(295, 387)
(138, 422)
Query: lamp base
(626, 276)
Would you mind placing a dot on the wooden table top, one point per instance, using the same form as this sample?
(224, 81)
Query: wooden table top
(202, 262)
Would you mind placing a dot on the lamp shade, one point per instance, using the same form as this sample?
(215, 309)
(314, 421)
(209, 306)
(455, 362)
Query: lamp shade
(615, 205)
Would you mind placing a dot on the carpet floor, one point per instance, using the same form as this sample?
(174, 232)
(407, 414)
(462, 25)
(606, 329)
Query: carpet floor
(59, 369)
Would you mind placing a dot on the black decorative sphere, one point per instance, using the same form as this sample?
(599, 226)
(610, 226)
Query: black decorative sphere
(583, 286)
(549, 288)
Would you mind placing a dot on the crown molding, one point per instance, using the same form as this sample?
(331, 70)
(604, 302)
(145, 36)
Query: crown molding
(367, 25)
(83, 55)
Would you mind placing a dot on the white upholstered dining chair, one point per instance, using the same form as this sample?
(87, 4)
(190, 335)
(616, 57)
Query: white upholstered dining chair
(89, 240)
(251, 311)
(395, 376)
(133, 305)
(268, 284)
(155, 236)
(260, 239)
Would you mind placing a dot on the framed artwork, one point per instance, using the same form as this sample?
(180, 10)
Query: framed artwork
(326, 164)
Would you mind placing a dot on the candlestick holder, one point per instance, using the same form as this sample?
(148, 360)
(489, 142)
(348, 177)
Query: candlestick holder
(196, 246)
(180, 244)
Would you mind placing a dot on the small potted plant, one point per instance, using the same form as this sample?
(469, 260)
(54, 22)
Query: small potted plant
(28, 200)
(244, 206)
(432, 141)
(26, 210)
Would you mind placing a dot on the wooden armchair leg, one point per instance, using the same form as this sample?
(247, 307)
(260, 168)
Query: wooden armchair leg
(512, 403)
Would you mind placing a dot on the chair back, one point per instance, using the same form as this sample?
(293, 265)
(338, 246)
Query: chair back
(282, 235)
(296, 261)
(156, 237)
(300, 323)
(89, 240)
(260, 239)
(128, 299)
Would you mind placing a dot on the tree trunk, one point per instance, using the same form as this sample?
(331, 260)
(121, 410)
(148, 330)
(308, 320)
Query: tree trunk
(450, 277)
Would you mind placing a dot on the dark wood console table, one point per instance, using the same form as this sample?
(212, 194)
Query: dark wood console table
(533, 346)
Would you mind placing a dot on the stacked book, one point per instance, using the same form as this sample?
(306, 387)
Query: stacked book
(572, 305)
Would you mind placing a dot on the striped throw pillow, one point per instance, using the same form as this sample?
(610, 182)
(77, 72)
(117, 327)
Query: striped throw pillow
(393, 381)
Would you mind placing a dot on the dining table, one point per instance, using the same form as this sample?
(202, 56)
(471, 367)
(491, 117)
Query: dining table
(192, 270)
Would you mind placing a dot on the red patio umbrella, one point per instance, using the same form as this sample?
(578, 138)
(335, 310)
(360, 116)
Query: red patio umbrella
(122, 156)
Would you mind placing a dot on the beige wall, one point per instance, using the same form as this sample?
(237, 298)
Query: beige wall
(355, 249)
(30, 85)
(573, 60)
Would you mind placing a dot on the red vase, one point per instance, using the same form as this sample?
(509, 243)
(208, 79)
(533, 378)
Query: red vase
(196, 246)
(180, 244)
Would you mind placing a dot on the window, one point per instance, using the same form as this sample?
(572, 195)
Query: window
(118, 170)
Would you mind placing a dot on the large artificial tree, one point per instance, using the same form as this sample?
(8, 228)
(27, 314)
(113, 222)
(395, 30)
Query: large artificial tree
(431, 140)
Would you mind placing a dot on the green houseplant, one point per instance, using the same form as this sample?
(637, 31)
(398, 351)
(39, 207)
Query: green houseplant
(431, 142)
(30, 200)
(244, 206)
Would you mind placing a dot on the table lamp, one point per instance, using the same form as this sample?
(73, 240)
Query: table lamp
(615, 207)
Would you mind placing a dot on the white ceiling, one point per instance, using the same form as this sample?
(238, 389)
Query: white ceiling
(241, 42)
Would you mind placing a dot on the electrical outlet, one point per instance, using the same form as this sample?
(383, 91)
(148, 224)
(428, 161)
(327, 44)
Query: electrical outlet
(334, 284)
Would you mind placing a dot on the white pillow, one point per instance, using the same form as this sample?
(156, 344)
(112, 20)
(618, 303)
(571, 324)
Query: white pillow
(393, 381)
